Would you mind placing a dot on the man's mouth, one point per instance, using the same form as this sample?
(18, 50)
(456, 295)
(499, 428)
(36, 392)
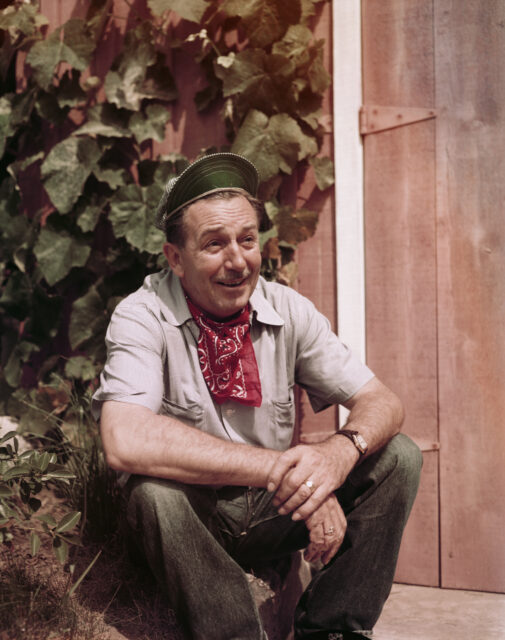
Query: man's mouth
(232, 283)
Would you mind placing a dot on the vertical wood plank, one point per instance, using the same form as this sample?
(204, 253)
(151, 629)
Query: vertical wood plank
(470, 45)
(400, 246)
(316, 257)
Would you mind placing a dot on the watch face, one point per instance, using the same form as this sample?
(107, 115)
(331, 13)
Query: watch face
(361, 443)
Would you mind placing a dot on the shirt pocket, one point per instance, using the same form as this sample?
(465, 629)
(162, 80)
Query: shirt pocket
(190, 414)
(283, 418)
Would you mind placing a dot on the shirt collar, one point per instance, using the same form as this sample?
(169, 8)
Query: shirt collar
(175, 309)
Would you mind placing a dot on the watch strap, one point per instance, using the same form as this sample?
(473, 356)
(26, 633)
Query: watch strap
(356, 438)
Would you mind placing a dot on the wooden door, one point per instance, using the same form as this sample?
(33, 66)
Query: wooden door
(435, 265)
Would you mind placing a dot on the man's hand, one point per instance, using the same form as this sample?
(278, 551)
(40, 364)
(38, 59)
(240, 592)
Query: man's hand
(327, 526)
(303, 477)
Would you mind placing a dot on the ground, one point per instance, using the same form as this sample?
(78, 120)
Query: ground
(116, 600)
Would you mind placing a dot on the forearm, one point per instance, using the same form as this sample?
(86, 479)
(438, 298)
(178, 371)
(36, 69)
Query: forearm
(138, 441)
(376, 413)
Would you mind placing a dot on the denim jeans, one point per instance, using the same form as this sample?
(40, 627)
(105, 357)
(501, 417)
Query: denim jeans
(199, 540)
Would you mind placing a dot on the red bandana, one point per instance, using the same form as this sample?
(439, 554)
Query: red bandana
(227, 359)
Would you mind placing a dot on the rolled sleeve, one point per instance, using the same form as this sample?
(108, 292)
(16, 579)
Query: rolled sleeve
(135, 356)
(325, 367)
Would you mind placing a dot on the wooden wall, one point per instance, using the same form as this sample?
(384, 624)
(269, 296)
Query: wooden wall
(435, 259)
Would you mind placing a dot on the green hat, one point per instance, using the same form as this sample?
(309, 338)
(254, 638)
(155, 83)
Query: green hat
(215, 172)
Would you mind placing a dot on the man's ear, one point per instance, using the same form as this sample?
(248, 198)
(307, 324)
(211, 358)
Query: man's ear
(173, 255)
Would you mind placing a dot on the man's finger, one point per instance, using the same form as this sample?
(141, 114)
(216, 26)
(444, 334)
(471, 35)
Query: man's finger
(306, 509)
(282, 465)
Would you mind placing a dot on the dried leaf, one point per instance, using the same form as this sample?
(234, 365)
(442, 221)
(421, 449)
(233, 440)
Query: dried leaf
(264, 21)
(191, 10)
(323, 170)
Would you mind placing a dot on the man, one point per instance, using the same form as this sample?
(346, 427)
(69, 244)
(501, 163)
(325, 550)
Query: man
(197, 411)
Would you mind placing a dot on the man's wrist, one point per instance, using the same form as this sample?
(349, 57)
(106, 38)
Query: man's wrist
(348, 445)
(356, 438)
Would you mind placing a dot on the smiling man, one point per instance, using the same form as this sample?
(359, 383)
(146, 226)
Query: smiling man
(197, 413)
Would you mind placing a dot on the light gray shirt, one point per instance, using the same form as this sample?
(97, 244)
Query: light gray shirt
(153, 361)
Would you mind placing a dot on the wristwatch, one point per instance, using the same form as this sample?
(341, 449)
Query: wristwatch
(356, 438)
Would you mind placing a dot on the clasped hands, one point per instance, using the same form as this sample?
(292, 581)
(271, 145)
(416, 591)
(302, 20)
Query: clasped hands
(303, 479)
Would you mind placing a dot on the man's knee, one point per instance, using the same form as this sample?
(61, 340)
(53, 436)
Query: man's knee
(409, 458)
(394, 471)
(406, 461)
(165, 504)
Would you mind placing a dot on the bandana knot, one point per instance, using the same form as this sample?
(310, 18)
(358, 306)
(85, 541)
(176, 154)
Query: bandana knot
(226, 357)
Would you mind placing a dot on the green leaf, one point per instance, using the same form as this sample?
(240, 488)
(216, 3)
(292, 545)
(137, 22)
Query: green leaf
(76, 47)
(60, 549)
(272, 144)
(151, 125)
(13, 368)
(47, 518)
(89, 207)
(17, 471)
(125, 83)
(5, 491)
(57, 252)
(88, 318)
(34, 543)
(8, 436)
(6, 129)
(246, 72)
(192, 10)
(264, 21)
(43, 460)
(294, 43)
(68, 521)
(66, 169)
(24, 18)
(106, 120)
(60, 474)
(80, 368)
(323, 170)
(131, 214)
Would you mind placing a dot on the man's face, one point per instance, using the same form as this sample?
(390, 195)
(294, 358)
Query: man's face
(220, 262)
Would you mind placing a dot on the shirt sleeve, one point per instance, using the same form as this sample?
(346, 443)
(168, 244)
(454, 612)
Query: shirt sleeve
(135, 354)
(325, 367)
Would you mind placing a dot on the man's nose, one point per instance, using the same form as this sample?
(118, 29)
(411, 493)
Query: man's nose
(234, 258)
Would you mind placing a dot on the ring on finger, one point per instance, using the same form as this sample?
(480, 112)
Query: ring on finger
(330, 532)
(309, 484)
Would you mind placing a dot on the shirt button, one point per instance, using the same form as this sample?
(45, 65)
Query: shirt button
(230, 412)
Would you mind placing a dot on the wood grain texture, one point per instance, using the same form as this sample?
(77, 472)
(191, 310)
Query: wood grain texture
(400, 241)
(470, 45)
(316, 256)
(418, 563)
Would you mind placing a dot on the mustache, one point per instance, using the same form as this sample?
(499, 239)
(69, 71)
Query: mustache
(231, 278)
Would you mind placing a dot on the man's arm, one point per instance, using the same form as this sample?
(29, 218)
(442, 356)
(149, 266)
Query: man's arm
(375, 411)
(139, 441)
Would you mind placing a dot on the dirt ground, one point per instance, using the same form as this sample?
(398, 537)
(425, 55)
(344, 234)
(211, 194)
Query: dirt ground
(117, 599)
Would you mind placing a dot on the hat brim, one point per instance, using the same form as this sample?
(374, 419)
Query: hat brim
(210, 174)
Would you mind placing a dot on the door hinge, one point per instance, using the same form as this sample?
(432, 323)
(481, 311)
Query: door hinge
(374, 118)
